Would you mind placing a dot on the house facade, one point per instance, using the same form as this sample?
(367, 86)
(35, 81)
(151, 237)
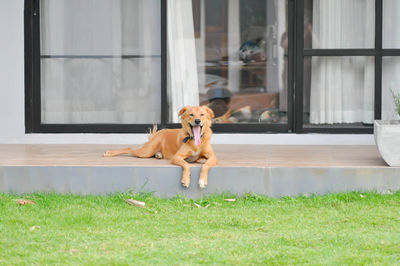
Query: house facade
(273, 71)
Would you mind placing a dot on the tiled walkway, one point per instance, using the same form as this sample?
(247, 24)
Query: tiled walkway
(228, 155)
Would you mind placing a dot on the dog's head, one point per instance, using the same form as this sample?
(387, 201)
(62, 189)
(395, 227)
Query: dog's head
(196, 120)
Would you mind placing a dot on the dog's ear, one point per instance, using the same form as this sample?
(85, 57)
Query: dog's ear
(209, 111)
(182, 110)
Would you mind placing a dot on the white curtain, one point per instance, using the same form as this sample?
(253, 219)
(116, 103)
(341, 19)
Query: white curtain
(391, 22)
(85, 79)
(182, 68)
(390, 65)
(342, 88)
(390, 80)
(281, 14)
(200, 44)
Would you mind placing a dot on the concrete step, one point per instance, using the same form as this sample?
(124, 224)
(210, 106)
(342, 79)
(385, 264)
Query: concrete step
(263, 169)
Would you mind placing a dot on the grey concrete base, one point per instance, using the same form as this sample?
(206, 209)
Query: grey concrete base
(165, 181)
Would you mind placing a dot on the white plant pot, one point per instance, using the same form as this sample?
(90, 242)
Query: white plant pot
(387, 138)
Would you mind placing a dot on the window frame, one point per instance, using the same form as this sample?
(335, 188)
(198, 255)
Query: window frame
(33, 88)
(296, 55)
(377, 52)
(33, 122)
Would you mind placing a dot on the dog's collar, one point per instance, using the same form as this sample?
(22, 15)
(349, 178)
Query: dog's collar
(190, 137)
(187, 138)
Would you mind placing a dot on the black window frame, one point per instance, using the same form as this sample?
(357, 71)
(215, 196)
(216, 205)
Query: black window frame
(377, 52)
(33, 99)
(33, 89)
(296, 55)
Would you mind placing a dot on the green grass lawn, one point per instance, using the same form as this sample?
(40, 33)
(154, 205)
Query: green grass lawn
(350, 228)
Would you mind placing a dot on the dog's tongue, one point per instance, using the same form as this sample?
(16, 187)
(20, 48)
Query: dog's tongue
(196, 135)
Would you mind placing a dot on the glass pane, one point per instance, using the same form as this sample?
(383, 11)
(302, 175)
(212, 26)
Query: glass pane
(391, 22)
(230, 55)
(100, 61)
(338, 90)
(100, 90)
(390, 81)
(335, 24)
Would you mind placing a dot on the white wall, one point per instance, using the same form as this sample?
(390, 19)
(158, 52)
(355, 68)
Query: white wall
(11, 69)
(12, 102)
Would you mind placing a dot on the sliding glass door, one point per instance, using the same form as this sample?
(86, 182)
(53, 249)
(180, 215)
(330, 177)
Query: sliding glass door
(123, 65)
(261, 65)
(233, 56)
(342, 67)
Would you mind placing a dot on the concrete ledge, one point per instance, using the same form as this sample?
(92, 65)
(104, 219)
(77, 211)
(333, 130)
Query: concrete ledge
(273, 170)
(164, 181)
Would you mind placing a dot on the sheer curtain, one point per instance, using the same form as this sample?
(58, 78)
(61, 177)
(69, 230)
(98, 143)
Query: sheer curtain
(183, 88)
(282, 30)
(85, 79)
(390, 80)
(390, 65)
(342, 88)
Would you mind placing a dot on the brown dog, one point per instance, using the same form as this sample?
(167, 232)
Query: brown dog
(187, 144)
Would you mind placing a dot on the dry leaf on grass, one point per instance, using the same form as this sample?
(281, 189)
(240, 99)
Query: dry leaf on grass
(135, 203)
(201, 207)
(72, 251)
(230, 200)
(24, 201)
(34, 227)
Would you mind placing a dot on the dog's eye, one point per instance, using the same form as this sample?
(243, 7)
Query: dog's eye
(202, 115)
(191, 115)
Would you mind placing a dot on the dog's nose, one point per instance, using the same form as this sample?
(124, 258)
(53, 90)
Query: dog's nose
(197, 121)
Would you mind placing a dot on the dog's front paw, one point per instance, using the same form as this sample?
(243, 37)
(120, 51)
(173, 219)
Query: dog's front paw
(108, 154)
(185, 182)
(202, 182)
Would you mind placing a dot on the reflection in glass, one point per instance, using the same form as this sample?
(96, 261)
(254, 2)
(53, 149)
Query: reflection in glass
(390, 80)
(391, 22)
(335, 24)
(231, 55)
(341, 90)
(100, 61)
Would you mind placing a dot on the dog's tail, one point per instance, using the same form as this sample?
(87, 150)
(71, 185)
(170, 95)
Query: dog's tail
(152, 132)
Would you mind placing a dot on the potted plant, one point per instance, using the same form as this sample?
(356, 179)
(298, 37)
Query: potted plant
(387, 135)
